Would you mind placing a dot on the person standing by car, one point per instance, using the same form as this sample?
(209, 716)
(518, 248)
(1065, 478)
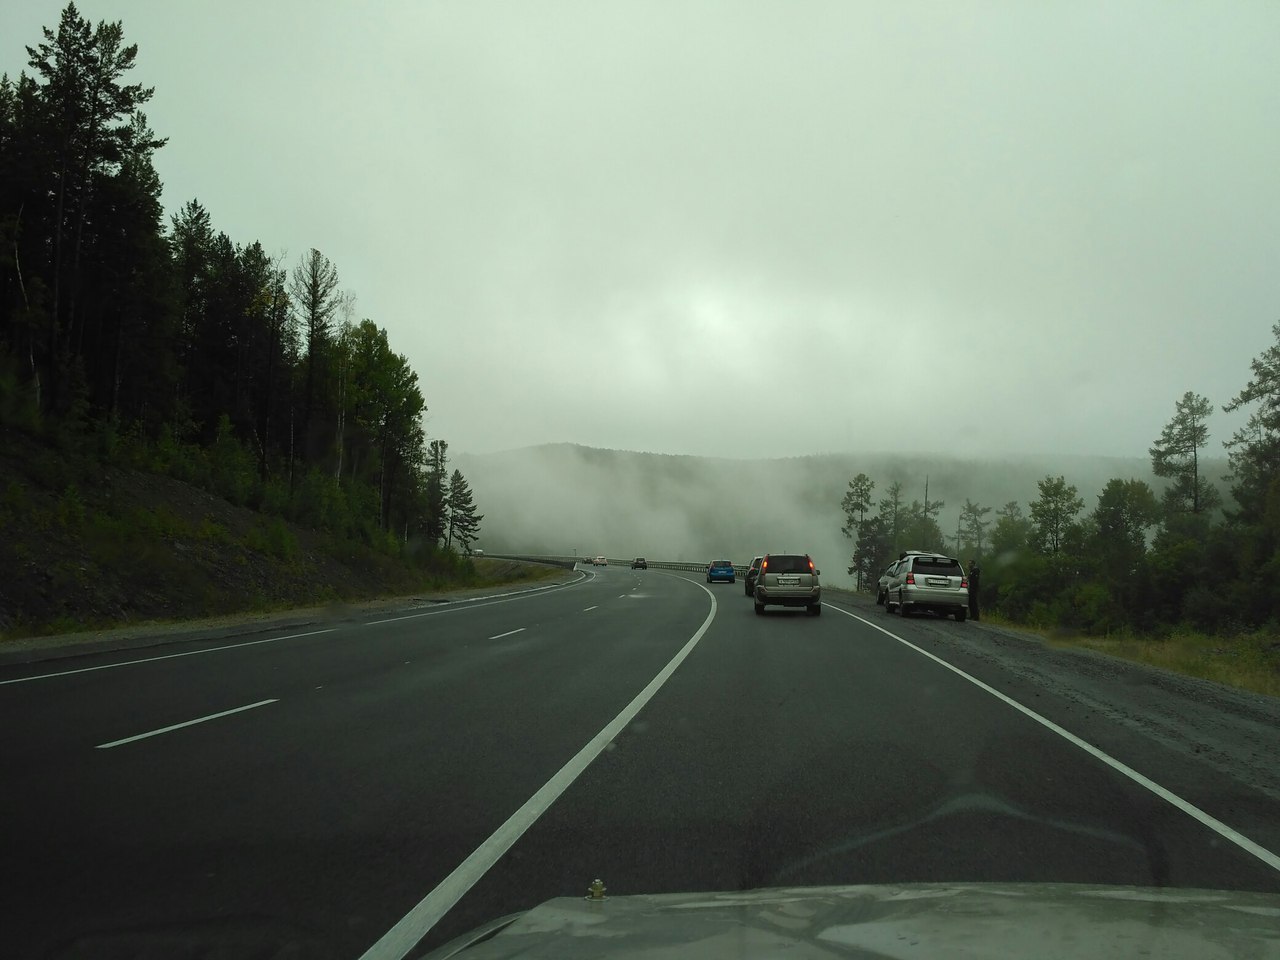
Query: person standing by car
(975, 579)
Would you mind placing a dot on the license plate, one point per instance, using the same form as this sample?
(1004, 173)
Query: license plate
(788, 581)
(939, 582)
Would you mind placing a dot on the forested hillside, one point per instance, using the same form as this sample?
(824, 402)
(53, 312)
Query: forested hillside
(164, 342)
(1198, 549)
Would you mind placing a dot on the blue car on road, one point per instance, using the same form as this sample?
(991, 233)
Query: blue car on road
(721, 570)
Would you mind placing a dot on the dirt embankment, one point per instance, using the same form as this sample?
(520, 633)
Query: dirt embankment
(90, 547)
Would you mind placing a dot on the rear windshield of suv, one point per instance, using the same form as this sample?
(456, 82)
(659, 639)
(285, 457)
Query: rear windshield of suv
(941, 566)
(788, 563)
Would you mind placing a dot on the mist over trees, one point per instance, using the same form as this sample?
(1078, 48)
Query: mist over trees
(173, 347)
(1135, 560)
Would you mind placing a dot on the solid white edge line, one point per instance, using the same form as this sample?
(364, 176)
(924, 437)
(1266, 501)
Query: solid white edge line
(396, 943)
(293, 636)
(168, 656)
(179, 726)
(487, 601)
(589, 609)
(1190, 809)
(508, 633)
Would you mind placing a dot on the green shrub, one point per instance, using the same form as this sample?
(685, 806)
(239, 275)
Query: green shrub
(17, 395)
(272, 538)
(159, 522)
(70, 509)
(211, 532)
(233, 469)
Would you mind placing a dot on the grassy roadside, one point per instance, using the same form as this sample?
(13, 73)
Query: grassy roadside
(1247, 661)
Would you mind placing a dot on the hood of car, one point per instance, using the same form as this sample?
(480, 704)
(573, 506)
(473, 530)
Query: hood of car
(915, 921)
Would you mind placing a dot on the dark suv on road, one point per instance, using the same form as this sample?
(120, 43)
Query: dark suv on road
(749, 578)
(788, 580)
(639, 563)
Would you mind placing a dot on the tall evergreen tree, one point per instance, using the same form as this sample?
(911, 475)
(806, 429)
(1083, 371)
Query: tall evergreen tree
(920, 531)
(973, 528)
(317, 299)
(1254, 449)
(873, 550)
(855, 504)
(1053, 514)
(464, 523)
(893, 512)
(1012, 531)
(436, 490)
(1176, 455)
(88, 126)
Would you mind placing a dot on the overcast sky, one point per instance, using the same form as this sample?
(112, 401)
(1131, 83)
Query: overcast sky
(751, 229)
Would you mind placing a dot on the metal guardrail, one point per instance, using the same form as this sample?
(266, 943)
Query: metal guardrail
(569, 562)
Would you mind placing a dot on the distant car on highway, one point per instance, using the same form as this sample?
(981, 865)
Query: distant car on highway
(789, 580)
(749, 581)
(600, 562)
(721, 570)
(928, 581)
(639, 563)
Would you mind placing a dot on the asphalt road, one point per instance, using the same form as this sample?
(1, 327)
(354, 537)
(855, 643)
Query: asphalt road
(310, 791)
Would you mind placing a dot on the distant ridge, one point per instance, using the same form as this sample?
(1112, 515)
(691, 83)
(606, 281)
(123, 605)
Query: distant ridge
(562, 497)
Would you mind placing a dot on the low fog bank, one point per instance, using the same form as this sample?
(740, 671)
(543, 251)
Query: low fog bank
(567, 499)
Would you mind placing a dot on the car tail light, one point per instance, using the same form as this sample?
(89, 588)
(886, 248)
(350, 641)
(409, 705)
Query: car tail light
(911, 579)
(964, 582)
(764, 565)
(810, 566)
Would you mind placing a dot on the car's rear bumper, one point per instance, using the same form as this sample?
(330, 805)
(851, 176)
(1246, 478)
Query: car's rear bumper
(788, 598)
(728, 576)
(924, 597)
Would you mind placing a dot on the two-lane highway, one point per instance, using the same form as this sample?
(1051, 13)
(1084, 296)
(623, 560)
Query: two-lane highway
(340, 789)
(381, 755)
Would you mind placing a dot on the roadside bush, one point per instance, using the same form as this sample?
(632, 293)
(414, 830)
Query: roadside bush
(181, 461)
(17, 398)
(71, 510)
(158, 522)
(1091, 607)
(275, 497)
(211, 532)
(233, 469)
(272, 538)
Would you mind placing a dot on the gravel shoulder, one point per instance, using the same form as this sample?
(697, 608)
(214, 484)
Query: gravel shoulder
(1236, 732)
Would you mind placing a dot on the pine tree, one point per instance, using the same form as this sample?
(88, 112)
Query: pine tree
(464, 524)
(893, 512)
(856, 502)
(437, 481)
(1176, 455)
(1012, 530)
(1053, 514)
(973, 528)
(1255, 447)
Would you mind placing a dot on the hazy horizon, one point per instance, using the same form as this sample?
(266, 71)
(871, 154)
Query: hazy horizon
(984, 228)
(560, 498)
